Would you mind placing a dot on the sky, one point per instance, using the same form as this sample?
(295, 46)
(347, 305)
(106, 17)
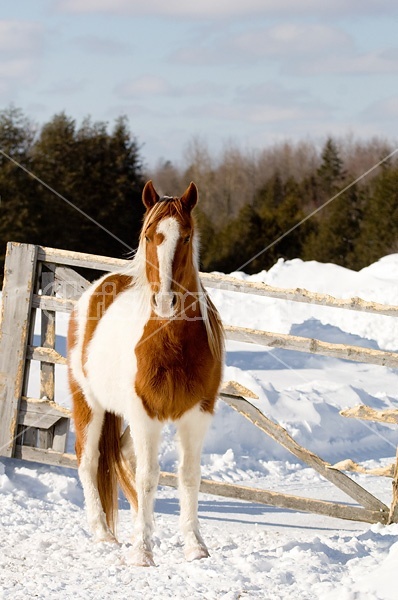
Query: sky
(249, 73)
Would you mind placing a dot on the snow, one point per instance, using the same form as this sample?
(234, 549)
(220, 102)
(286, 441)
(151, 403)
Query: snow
(256, 551)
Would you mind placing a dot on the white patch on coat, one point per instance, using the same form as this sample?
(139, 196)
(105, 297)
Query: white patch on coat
(170, 229)
(111, 365)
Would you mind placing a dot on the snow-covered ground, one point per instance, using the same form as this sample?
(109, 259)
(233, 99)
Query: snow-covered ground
(256, 551)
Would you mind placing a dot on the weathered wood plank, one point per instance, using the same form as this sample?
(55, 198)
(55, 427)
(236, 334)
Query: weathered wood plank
(52, 303)
(233, 388)
(349, 465)
(329, 509)
(40, 406)
(45, 414)
(393, 516)
(45, 438)
(366, 413)
(226, 282)
(79, 259)
(70, 284)
(45, 354)
(29, 436)
(61, 430)
(18, 286)
(47, 369)
(280, 435)
(46, 456)
(37, 420)
(42, 414)
(312, 346)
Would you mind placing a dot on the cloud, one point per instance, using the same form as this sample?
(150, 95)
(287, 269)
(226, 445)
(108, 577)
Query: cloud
(20, 37)
(224, 9)
(382, 110)
(101, 45)
(370, 63)
(290, 40)
(148, 86)
(20, 52)
(265, 103)
(271, 92)
(65, 87)
(286, 42)
(300, 49)
(266, 115)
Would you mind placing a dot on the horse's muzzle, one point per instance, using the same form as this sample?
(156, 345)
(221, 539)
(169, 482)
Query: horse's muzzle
(164, 304)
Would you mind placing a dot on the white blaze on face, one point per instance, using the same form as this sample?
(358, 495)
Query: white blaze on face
(170, 229)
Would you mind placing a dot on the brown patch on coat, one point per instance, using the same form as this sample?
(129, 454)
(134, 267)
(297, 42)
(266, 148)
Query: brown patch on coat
(176, 369)
(81, 412)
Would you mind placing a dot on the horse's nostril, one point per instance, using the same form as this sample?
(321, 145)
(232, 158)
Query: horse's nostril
(174, 300)
(154, 303)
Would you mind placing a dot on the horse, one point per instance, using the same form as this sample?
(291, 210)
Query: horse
(145, 346)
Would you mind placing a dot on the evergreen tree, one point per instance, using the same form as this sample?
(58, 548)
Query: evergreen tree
(100, 174)
(288, 215)
(337, 237)
(271, 195)
(237, 242)
(17, 190)
(379, 232)
(330, 172)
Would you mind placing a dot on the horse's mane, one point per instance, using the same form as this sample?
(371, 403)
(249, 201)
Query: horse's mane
(213, 324)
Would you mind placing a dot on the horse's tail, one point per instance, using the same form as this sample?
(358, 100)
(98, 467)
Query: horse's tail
(114, 468)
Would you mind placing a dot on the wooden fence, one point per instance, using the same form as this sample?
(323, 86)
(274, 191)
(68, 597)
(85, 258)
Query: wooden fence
(36, 429)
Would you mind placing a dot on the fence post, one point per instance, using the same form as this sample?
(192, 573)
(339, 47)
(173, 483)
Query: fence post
(393, 518)
(19, 279)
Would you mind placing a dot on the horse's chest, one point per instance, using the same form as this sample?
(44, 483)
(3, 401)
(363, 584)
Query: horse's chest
(172, 375)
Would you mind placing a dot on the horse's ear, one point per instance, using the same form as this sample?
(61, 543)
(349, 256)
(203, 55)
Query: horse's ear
(149, 195)
(190, 196)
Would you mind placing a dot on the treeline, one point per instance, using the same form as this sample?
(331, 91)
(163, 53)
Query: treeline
(100, 172)
(250, 203)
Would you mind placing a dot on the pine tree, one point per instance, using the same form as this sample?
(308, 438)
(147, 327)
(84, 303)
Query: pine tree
(379, 231)
(17, 189)
(101, 174)
(330, 173)
(337, 237)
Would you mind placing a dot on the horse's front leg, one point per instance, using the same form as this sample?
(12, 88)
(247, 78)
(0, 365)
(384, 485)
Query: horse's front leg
(191, 429)
(146, 435)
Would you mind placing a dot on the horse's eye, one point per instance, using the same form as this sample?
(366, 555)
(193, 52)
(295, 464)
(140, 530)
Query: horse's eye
(186, 239)
(147, 239)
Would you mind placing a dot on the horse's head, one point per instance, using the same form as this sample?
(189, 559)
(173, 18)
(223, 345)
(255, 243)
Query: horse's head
(168, 238)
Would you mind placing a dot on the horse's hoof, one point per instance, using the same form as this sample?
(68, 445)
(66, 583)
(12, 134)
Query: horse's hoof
(105, 536)
(196, 553)
(141, 558)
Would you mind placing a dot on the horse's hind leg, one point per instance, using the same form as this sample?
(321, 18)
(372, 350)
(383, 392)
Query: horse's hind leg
(191, 429)
(88, 427)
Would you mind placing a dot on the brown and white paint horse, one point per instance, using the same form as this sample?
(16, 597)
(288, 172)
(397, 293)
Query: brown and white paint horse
(145, 345)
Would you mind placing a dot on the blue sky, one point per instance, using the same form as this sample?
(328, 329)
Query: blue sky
(246, 72)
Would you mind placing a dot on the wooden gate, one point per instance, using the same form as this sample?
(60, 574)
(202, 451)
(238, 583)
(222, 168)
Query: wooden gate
(36, 429)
